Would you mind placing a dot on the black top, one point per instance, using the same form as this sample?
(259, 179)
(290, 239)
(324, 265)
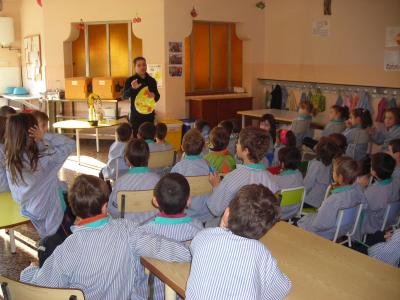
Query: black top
(131, 93)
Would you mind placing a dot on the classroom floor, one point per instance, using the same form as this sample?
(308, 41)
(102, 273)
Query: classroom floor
(11, 265)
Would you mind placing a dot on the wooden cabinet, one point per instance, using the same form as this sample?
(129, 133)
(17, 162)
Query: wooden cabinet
(217, 108)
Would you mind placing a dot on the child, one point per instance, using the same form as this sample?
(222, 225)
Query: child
(268, 123)
(284, 138)
(348, 194)
(388, 251)
(204, 128)
(391, 130)
(319, 172)
(290, 176)
(219, 157)
(383, 191)
(116, 155)
(42, 119)
(364, 176)
(138, 178)
(6, 111)
(102, 256)
(228, 125)
(301, 126)
(357, 134)
(394, 151)
(251, 148)
(3, 176)
(147, 132)
(171, 197)
(33, 160)
(229, 262)
(340, 141)
(161, 133)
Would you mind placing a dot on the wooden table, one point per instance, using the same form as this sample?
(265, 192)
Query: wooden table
(318, 268)
(10, 216)
(79, 125)
(283, 116)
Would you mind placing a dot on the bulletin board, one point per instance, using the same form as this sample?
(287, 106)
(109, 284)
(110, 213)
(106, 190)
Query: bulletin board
(33, 57)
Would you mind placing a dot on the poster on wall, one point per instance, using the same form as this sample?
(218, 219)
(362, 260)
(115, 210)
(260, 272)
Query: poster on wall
(175, 59)
(392, 37)
(320, 28)
(33, 59)
(392, 60)
(175, 71)
(155, 71)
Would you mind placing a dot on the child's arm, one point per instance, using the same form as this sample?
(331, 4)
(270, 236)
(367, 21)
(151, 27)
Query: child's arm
(58, 150)
(373, 200)
(377, 136)
(220, 198)
(326, 216)
(311, 176)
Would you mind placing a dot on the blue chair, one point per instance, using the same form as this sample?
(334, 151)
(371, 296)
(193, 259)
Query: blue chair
(392, 215)
(347, 217)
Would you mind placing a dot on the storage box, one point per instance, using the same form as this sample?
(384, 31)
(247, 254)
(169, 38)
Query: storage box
(77, 88)
(174, 134)
(108, 87)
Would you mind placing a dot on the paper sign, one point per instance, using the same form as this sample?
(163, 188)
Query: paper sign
(155, 71)
(392, 37)
(392, 60)
(320, 28)
(74, 82)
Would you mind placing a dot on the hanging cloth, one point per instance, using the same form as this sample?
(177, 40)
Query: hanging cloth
(348, 99)
(303, 97)
(292, 103)
(267, 98)
(354, 102)
(382, 105)
(339, 100)
(276, 97)
(318, 101)
(392, 103)
(285, 95)
(364, 102)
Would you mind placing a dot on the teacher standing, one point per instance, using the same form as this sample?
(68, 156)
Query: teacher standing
(133, 85)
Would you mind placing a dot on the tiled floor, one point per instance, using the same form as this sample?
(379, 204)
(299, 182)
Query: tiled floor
(91, 163)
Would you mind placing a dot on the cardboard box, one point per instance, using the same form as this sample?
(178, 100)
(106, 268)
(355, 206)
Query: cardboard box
(77, 88)
(108, 87)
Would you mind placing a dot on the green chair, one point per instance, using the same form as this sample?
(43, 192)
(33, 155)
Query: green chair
(303, 166)
(293, 196)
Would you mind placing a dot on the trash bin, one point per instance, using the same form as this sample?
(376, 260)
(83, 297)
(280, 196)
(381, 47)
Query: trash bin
(174, 134)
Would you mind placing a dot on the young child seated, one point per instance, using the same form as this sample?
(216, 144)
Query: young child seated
(391, 129)
(383, 191)
(251, 149)
(268, 123)
(234, 246)
(346, 195)
(290, 176)
(357, 134)
(218, 156)
(228, 125)
(6, 110)
(102, 256)
(138, 178)
(319, 172)
(340, 141)
(284, 138)
(161, 133)
(171, 197)
(3, 175)
(394, 151)
(116, 156)
(301, 126)
(147, 132)
(388, 251)
(364, 176)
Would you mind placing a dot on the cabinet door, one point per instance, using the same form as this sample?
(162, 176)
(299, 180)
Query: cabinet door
(205, 110)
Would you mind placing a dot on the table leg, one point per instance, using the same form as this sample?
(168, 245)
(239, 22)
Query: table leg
(78, 146)
(97, 141)
(170, 294)
(12, 240)
(243, 122)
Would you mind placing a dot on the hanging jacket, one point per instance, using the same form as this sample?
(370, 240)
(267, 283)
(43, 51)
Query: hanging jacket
(382, 105)
(276, 100)
(267, 98)
(339, 100)
(354, 102)
(292, 103)
(364, 102)
(392, 103)
(318, 101)
(348, 99)
(303, 97)
(285, 95)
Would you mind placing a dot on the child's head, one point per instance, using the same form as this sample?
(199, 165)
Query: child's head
(364, 171)
(382, 165)
(337, 112)
(124, 132)
(172, 194)
(360, 116)
(340, 140)
(394, 149)
(326, 150)
(6, 110)
(137, 153)
(227, 125)
(88, 196)
(268, 123)
(192, 142)
(286, 137)
(219, 139)
(392, 117)
(306, 108)
(252, 212)
(42, 119)
(161, 131)
(290, 158)
(140, 65)
(3, 121)
(253, 144)
(147, 131)
(345, 170)
(203, 127)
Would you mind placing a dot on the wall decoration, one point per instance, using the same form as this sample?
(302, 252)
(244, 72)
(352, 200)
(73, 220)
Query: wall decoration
(175, 71)
(320, 28)
(33, 57)
(175, 59)
(392, 60)
(194, 12)
(392, 37)
(155, 71)
(327, 7)
(261, 4)
(137, 19)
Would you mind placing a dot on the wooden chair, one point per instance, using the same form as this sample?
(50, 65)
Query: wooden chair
(199, 185)
(162, 159)
(135, 201)
(15, 290)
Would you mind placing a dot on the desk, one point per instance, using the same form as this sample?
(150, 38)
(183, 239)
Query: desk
(318, 268)
(78, 125)
(10, 216)
(283, 116)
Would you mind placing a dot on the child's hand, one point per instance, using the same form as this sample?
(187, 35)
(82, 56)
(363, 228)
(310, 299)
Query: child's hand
(36, 133)
(214, 179)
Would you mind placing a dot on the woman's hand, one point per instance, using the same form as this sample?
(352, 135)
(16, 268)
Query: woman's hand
(36, 133)
(135, 85)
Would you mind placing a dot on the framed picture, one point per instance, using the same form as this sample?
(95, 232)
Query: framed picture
(33, 57)
(175, 71)
(175, 47)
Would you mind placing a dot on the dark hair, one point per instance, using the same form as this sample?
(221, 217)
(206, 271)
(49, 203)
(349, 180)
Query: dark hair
(343, 111)
(137, 59)
(256, 141)
(348, 168)
(202, 126)
(253, 211)
(383, 165)
(340, 140)
(192, 142)
(147, 131)
(396, 112)
(40, 116)
(395, 144)
(364, 166)
(364, 115)
(237, 126)
(290, 137)
(307, 105)
(172, 193)
(137, 153)
(219, 139)
(290, 157)
(124, 132)
(161, 131)
(272, 123)
(87, 196)
(3, 122)
(326, 150)
(228, 125)
(7, 110)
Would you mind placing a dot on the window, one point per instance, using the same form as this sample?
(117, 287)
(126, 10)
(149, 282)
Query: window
(213, 58)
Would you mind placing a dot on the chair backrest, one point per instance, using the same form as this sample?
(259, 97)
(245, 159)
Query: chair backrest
(135, 201)
(391, 216)
(347, 217)
(293, 196)
(162, 159)
(199, 185)
(15, 290)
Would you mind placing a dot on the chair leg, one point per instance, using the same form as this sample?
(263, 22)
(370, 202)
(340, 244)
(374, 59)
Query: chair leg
(12, 240)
